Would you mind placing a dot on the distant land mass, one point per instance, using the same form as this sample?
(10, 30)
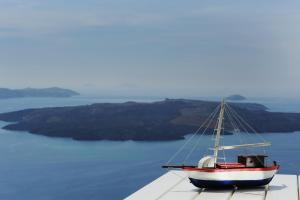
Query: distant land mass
(236, 97)
(170, 119)
(34, 92)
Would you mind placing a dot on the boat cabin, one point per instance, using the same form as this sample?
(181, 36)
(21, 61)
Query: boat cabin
(249, 161)
(252, 160)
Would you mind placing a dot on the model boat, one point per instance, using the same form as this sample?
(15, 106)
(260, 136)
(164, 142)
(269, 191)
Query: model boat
(247, 170)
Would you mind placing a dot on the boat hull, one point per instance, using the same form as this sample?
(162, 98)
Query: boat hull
(219, 178)
(229, 183)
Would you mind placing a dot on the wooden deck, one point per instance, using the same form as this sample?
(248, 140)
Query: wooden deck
(174, 185)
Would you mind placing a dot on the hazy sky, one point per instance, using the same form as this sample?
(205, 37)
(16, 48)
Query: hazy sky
(152, 47)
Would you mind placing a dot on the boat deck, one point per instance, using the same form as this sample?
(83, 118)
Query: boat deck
(175, 185)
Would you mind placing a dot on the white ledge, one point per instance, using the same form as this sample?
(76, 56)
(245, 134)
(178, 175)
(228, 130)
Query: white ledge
(175, 185)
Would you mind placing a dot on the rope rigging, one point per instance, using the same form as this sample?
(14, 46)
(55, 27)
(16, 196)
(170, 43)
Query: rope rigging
(238, 124)
(196, 132)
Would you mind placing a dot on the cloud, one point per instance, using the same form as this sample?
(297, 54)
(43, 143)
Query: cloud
(37, 17)
(54, 16)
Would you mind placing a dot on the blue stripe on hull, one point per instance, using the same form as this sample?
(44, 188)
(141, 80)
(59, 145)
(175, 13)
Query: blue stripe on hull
(229, 183)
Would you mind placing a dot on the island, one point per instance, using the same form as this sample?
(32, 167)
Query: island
(34, 92)
(236, 97)
(170, 119)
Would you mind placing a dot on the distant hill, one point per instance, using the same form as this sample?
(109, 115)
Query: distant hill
(236, 97)
(33, 92)
(163, 120)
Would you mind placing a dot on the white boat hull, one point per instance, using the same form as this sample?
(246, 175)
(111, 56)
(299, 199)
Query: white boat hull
(243, 177)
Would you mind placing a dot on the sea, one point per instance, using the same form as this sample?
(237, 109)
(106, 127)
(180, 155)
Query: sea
(34, 167)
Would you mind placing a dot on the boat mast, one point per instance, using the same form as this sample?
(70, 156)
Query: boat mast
(219, 130)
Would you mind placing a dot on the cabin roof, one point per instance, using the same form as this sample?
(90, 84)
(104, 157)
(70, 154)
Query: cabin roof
(253, 155)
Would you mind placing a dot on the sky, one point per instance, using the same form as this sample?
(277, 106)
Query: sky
(152, 48)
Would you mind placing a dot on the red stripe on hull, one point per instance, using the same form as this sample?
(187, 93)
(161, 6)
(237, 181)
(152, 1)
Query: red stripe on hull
(231, 169)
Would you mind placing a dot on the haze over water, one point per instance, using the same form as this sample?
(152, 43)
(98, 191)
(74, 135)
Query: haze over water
(41, 168)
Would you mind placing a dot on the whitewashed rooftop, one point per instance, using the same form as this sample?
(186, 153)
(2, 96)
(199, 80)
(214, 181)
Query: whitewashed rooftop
(175, 185)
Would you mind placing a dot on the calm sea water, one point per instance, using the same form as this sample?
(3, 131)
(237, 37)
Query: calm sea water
(40, 168)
